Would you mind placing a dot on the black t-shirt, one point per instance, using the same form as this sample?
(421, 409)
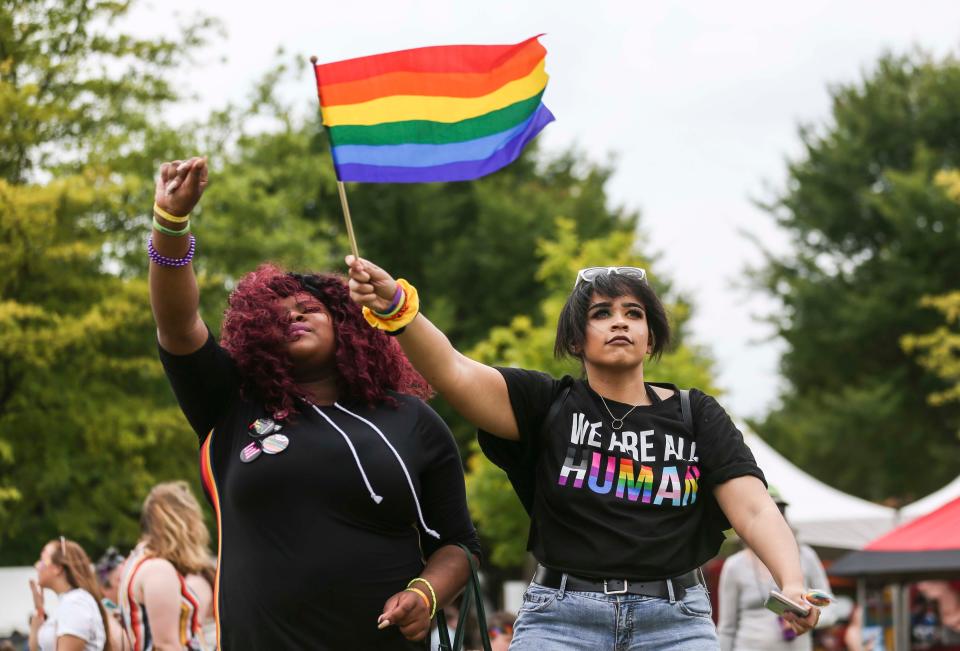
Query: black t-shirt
(635, 503)
(307, 556)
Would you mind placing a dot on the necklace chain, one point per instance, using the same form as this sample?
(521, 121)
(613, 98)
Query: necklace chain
(617, 427)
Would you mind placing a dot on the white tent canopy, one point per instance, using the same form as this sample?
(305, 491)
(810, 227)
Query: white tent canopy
(931, 502)
(820, 514)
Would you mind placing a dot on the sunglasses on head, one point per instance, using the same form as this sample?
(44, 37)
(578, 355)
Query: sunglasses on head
(589, 274)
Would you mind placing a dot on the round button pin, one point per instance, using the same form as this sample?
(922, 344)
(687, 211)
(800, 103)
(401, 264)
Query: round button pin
(263, 426)
(275, 443)
(251, 452)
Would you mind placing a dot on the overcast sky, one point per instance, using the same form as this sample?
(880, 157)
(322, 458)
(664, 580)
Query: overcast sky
(699, 101)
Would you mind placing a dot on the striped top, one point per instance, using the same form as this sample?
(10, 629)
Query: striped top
(444, 113)
(134, 614)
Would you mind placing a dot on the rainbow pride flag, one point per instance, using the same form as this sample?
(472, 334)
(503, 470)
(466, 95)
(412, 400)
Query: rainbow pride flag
(444, 113)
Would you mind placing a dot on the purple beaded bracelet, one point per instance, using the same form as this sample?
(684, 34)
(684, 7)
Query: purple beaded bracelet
(164, 261)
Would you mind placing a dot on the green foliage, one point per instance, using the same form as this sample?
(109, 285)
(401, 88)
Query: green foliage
(85, 418)
(939, 351)
(71, 87)
(527, 342)
(86, 421)
(872, 233)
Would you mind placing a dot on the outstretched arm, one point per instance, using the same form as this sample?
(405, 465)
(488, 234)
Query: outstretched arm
(174, 295)
(757, 520)
(477, 391)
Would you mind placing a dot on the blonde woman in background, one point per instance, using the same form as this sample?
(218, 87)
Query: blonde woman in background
(161, 612)
(81, 621)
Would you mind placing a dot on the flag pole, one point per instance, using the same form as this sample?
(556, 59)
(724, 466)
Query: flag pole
(340, 187)
(346, 218)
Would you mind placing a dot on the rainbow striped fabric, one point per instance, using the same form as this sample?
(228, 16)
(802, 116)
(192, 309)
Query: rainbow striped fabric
(445, 113)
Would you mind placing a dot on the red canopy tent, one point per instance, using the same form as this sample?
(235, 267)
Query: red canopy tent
(937, 530)
(928, 547)
(925, 548)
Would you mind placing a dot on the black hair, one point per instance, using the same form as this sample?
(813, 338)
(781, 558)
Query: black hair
(572, 325)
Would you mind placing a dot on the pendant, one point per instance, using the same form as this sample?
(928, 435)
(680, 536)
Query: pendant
(617, 424)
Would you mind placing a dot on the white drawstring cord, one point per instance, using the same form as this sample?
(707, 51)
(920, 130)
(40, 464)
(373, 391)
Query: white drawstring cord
(373, 495)
(403, 466)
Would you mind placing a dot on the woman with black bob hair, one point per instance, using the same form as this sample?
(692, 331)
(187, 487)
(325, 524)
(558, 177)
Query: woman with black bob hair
(629, 484)
(609, 281)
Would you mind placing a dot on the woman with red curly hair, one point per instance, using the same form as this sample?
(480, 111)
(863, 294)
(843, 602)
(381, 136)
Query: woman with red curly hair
(338, 492)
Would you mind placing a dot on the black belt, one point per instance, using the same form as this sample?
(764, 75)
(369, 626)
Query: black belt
(551, 578)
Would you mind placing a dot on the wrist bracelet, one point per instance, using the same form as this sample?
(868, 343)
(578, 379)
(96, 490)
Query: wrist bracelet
(433, 610)
(170, 218)
(169, 231)
(409, 308)
(423, 595)
(164, 261)
(395, 305)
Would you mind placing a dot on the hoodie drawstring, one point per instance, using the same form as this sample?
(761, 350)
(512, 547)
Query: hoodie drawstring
(373, 495)
(403, 466)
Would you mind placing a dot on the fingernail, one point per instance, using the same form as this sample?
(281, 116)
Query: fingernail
(382, 625)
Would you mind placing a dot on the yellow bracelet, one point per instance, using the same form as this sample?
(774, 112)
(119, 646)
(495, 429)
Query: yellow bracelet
(433, 611)
(406, 313)
(170, 218)
(423, 595)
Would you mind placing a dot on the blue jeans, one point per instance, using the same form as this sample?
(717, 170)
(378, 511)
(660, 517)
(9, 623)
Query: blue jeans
(556, 619)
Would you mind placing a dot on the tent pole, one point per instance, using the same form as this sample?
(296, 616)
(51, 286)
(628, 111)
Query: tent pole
(900, 595)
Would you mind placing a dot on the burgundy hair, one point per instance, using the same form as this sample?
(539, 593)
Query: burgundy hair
(369, 363)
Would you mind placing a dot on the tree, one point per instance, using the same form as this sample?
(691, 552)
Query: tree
(85, 421)
(939, 351)
(872, 233)
(527, 342)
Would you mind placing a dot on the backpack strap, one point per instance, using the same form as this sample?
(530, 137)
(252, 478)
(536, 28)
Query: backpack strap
(556, 406)
(686, 411)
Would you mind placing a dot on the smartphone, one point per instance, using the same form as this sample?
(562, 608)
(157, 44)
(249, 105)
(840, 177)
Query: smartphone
(781, 604)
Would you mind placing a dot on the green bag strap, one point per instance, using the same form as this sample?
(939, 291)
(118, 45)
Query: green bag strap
(471, 594)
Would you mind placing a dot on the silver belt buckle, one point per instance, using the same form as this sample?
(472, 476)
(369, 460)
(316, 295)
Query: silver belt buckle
(626, 586)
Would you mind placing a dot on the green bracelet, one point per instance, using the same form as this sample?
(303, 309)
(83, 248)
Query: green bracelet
(169, 231)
